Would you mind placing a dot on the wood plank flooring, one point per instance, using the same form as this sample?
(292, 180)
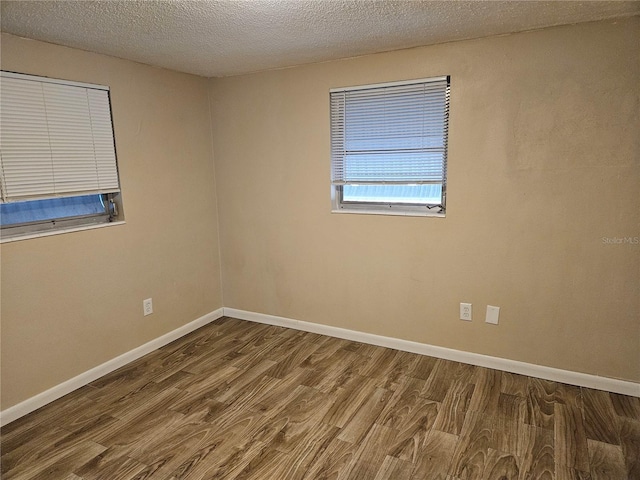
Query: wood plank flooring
(239, 400)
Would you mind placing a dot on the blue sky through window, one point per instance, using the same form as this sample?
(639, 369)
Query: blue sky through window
(50, 209)
(429, 194)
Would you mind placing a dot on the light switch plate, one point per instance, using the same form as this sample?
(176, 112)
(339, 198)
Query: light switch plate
(492, 314)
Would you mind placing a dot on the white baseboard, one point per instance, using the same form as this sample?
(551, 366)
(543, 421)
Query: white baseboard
(37, 401)
(513, 366)
(548, 373)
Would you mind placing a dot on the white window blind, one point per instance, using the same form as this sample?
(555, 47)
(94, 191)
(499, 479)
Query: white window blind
(56, 139)
(390, 134)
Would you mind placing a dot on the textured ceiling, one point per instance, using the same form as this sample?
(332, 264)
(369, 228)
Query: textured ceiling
(229, 37)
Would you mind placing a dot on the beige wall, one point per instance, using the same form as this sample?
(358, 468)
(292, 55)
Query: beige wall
(543, 163)
(71, 302)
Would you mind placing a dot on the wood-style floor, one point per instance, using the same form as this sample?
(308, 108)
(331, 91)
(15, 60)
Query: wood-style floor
(239, 400)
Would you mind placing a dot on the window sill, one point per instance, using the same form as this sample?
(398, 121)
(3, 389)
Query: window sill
(78, 228)
(397, 213)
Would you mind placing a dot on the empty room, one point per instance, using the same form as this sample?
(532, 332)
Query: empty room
(320, 239)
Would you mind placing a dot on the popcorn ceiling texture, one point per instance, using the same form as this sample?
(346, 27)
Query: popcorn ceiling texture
(231, 37)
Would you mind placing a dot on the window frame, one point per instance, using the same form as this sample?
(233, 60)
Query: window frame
(111, 197)
(340, 205)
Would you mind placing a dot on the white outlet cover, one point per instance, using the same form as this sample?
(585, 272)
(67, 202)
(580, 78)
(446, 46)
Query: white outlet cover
(147, 307)
(492, 314)
(466, 312)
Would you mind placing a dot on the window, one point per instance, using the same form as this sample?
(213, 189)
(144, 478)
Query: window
(389, 147)
(58, 168)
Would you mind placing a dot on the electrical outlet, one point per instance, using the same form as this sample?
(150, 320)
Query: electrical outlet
(492, 314)
(465, 311)
(147, 307)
